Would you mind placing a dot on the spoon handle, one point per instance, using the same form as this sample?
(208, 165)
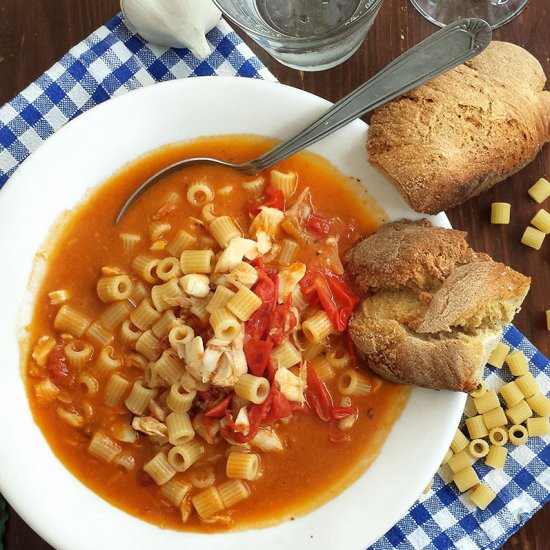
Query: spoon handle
(442, 51)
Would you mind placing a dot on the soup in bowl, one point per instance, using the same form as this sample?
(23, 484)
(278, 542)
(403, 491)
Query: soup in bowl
(191, 365)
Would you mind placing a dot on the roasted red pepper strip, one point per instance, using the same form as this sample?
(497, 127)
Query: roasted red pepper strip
(335, 295)
(339, 413)
(318, 225)
(274, 199)
(255, 415)
(258, 354)
(219, 409)
(317, 395)
(280, 406)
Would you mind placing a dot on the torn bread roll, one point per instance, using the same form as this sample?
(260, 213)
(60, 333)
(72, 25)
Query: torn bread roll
(432, 309)
(461, 133)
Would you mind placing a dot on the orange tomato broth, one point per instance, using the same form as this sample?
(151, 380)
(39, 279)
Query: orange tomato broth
(311, 469)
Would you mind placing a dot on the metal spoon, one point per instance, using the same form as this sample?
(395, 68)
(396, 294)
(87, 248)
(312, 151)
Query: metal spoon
(442, 51)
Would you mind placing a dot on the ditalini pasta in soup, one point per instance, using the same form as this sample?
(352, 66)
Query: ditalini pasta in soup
(192, 365)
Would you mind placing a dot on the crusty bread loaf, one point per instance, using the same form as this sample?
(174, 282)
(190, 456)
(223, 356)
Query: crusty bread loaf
(468, 129)
(432, 308)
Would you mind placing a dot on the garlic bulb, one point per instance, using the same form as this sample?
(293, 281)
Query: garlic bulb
(173, 23)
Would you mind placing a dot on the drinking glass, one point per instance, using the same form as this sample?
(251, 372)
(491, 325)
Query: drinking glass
(310, 35)
(495, 12)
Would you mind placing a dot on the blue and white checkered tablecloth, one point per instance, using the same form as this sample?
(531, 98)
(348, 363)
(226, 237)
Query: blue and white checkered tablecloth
(112, 61)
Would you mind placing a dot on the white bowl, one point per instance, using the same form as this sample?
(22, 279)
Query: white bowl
(55, 178)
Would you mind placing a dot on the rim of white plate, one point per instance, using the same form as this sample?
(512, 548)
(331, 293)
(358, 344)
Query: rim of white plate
(56, 177)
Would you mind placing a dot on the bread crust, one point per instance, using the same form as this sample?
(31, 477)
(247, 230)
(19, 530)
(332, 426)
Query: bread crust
(468, 129)
(432, 308)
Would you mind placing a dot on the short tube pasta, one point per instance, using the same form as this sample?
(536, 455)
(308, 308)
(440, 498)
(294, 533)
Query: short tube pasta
(70, 320)
(199, 193)
(496, 457)
(148, 345)
(139, 397)
(175, 491)
(233, 491)
(163, 326)
(518, 434)
(116, 388)
(107, 362)
(532, 237)
(244, 303)
(527, 385)
(498, 436)
(478, 448)
(488, 401)
(169, 367)
(225, 325)
(159, 469)
(168, 268)
(495, 418)
(540, 190)
(146, 267)
(182, 457)
(196, 261)
(180, 430)
(479, 391)
(350, 382)
(541, 221)
(99, 335)
(252, 388)
(129, 241)
(466, 479)
(129, 333)
(459, 461)
(103, 447)
(500, 213)
(476, 427)
(114, 289)
(511, 394)
(289, 248)
(208, 502)
(323, 369)
(285, 181)
(482, 496)
(538, 426)
(219, 300)
(78, 353)
(182, 241)
(114, 315)
(145, 315)
(179, 399)
(539, 403)
(223, 229)
(166, 295)
(498, 355)
(520, 412)
(242, 466)
(318, 326)
(517, 363)
(459, 442)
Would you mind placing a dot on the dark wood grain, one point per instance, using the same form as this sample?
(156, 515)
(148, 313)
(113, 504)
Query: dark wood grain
(35, 33)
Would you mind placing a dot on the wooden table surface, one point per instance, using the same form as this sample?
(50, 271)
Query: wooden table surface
(36, 33)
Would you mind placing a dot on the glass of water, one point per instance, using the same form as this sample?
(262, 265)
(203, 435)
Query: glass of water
(310, 35)
(495, 12)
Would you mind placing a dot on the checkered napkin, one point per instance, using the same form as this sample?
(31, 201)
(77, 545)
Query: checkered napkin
(112, 61)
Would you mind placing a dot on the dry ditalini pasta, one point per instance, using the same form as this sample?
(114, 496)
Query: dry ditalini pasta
(193, 355)
(541, 220)
(540, 190)
(498, 356)
(533, 238)
(482, 496)
(500, 213)
(496, 456)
